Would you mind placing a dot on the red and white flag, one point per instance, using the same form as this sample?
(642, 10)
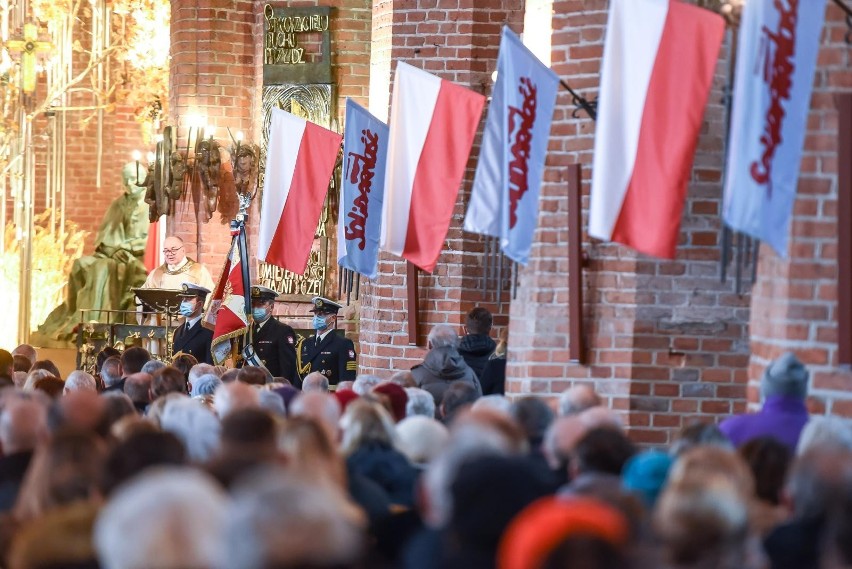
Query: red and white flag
(432, 125)
(299, 161)
(227, 311)
(658, 65)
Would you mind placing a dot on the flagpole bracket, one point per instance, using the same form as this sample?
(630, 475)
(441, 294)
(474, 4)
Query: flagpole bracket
(581, 103)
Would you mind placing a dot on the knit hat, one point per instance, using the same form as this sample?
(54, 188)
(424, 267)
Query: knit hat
(345, 397)
(397, 396)
(786, 376)
(645, 474)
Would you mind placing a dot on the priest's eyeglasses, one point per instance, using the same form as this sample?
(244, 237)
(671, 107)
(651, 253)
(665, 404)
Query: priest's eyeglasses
(172, 251)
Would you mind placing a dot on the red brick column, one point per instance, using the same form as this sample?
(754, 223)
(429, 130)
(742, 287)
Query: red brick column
(456, 41)
(794, 305)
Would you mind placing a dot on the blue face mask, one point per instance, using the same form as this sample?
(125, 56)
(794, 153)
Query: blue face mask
(318, 322)
(186, 308)
(260, 313)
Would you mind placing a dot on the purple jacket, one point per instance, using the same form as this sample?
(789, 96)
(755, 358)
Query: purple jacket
(782, 417)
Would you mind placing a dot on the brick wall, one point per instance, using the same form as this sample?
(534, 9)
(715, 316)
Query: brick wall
(795, 302)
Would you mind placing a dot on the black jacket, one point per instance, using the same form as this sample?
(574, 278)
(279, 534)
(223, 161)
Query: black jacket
(441, 367)
(195, 342)
(493, 378)
(476, 349)
(275, 345)
(13, 467)
(334, 357)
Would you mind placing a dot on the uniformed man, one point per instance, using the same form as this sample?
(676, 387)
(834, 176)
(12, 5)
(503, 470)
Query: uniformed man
(274, 342)
(191, 337)
(327, 352)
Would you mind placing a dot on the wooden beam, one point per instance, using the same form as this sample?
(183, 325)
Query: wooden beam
(576, 338)
(411, 273)
(844, 229)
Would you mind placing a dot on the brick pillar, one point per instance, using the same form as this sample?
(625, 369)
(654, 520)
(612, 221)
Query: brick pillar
(795, 302)
(458, 41)
(667, 342)
(211, 75)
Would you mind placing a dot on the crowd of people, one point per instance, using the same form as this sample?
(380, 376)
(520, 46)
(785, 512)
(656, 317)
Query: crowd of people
(192, 466)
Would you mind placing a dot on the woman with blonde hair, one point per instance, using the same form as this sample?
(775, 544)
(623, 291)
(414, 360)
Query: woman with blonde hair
(310, 453)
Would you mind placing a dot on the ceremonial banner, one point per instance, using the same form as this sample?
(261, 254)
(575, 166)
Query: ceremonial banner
(299, 161)
(227, 311)
(504, 199)
(365, 147)
(778, 46)
(658, 65)
(432, 126)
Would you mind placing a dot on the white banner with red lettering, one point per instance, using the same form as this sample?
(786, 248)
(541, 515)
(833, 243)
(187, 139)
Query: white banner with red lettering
(778, 47)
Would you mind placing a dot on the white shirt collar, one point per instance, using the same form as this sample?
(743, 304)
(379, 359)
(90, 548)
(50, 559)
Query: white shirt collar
(179, 265)
(190, 322)
(324, 334)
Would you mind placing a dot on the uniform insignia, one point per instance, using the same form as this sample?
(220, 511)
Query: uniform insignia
(351, 353)
(326, 353)
(290, 339)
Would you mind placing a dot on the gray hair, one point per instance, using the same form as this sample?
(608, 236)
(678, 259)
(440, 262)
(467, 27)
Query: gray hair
(22, 424)
(184, 512)
(206, 384)
(277, 519)
(321, 407)
(315, 381)
(33, 377)
(199, 370)
(151, 366)
(272, 402)
(420, 402)
(442, 335)
(494, 401)
(421, 439)
(230, 397)
(785, 376)
(79, 380)
(827, 433)
(111, 371)
(577, 399)
(365, 383)
(195, 425)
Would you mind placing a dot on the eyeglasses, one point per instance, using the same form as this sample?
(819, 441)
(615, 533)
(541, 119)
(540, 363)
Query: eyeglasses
(172, 251)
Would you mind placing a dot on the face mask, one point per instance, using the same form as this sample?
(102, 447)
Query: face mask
(186, 308)
(318, 322)
(259, 314)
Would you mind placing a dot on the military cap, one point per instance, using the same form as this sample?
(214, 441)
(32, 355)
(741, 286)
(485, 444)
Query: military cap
(322, 305)
(189, 290)
(263, 293)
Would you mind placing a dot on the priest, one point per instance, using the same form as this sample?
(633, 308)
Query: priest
(178, 269)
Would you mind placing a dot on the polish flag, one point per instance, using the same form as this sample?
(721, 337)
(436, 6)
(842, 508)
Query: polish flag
(432, 125)
(658, 66)
(299, 161)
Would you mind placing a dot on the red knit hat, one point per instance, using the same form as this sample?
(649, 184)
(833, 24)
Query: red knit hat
(398, 398)
(345, 397)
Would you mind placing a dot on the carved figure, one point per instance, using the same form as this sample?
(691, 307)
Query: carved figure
(209, 164)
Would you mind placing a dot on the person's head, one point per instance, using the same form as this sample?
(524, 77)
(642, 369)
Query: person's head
(816, 479)
(403, 378)
(21, 363)
(344, 385)
(478, 321)
(137, 386)
(321, 407)
(420, 402)
(7, 364)
(152, 366)
(45, 365)
(184, 520)
(206, 384)
(272, 402)
(23, 425)
(252, 375)
(230, 397)
(276, 520)
(458, 395)
(79, 380)
(201, 369)
(315, 381)
(26, 351)
(769, 460)
(192, 300)
(364, 423)
(116, 406)
(249, 432)
(168, 380)
(697, 435)
(310, 452)
(602, 451)
(262, 302)
(364, 384)
(825, 433)
(786, 376)
(560, 440)
(230, 375)
(173, 250)
(534, 416)
(194, 425)
(51, 385)
(33, 377)
(393, 397)
(325, 314)
(139, 451)
(441, 336)
(81, 410)
(577, 399)
(106, 352)
(111, 371)
(184, 362)
(421, 439)
(645, 475)
(132, 359)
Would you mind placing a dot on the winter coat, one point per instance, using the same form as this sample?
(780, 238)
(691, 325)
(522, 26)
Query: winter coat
(440, 368)
(476, 349)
